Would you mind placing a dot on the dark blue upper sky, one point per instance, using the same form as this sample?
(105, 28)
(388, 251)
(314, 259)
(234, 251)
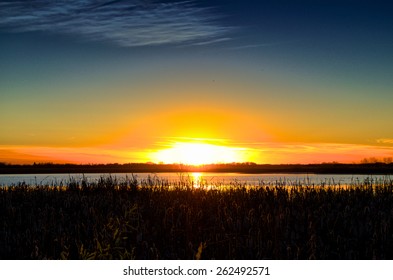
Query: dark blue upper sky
(138, 23)
(326, 38)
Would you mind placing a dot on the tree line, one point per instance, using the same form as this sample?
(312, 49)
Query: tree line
(247, 167)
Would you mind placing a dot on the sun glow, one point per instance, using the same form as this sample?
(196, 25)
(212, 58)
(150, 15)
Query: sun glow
(198, 154)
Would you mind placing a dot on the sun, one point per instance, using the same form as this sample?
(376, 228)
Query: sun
(198, 154)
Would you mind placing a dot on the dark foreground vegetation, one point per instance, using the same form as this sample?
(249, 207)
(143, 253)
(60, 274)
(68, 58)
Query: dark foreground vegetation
(246, 167)
(157, 219)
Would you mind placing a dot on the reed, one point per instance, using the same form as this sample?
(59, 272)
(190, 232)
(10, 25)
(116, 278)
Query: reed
(157, 219)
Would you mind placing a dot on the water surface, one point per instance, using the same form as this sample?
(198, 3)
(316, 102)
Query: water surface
(206, 178)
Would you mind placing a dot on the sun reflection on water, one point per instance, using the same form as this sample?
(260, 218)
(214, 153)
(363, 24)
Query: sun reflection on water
(197, 179)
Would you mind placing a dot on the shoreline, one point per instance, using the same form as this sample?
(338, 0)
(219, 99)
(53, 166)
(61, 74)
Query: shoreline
(241, 168)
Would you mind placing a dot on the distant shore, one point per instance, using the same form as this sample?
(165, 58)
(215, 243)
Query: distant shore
(248, 168)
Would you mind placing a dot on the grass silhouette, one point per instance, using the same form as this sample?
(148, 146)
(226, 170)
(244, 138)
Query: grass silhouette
(158, 219)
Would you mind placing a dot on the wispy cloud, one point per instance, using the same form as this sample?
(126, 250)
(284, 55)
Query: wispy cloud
(262, 45)
(125, 22)
(253, 46)
(264, 152)
(385, 141)
(214, 41)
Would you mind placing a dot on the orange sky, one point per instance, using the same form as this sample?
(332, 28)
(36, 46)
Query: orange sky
(200, 88)
(237, 131)
(169, 137)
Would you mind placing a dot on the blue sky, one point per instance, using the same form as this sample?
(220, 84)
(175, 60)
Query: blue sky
(89, 73)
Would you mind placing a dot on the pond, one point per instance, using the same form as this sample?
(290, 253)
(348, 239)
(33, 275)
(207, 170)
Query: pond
(206, 178)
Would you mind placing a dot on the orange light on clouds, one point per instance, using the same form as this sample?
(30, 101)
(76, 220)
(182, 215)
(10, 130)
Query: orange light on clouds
(194, 122)
(199, 151)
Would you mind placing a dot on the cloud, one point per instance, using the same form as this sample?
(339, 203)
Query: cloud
(385, 141)
(214, 41)
(262, 45)
(127, 23)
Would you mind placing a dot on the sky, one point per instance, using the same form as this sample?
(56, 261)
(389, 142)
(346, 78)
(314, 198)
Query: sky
(98, 81)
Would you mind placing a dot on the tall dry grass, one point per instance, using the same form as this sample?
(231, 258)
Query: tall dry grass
(159, 219)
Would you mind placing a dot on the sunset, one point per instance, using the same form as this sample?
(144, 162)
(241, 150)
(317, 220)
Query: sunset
(196, 153)
(196, 130)
(277, 84)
